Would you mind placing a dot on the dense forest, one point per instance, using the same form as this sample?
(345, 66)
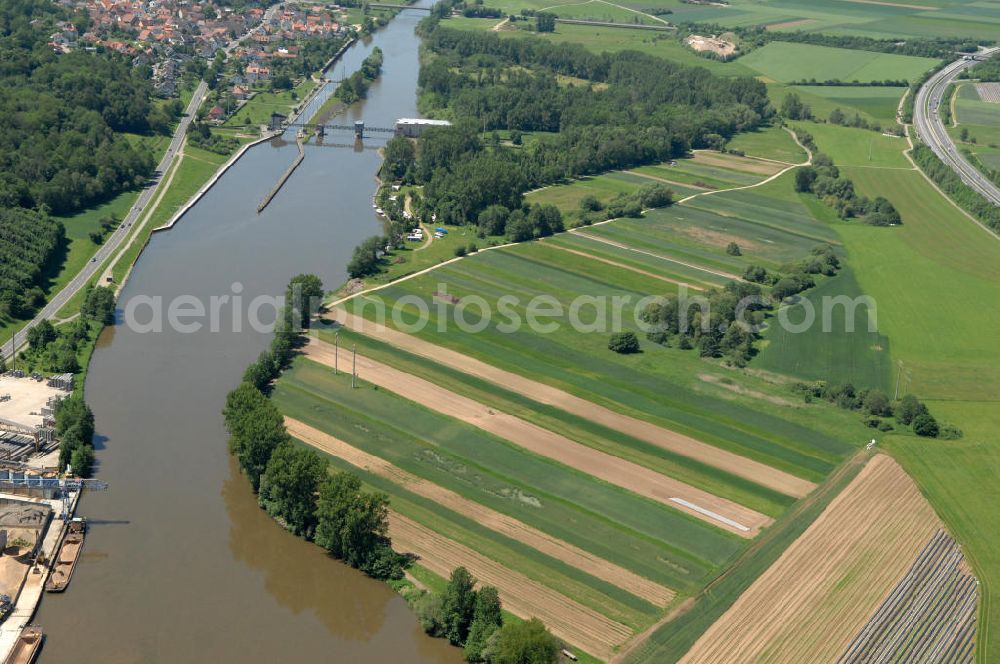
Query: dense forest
(630, 109)
(61, 149)
(28, 240)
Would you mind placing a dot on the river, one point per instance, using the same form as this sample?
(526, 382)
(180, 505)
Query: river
(180, 564)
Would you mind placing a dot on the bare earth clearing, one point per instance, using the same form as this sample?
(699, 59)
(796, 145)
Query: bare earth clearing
(826, 585)
(27, 397)
(669, 440)
(521, 596)
(501, 523)
(633, 477)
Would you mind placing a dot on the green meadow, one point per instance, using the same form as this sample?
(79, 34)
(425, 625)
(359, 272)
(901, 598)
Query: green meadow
(877, 103)
(787, 61)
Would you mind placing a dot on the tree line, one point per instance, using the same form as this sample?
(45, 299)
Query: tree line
(473, 620)
(823, 179)
(968, 198)
(293, 483)
(878, 410)
(355, 86)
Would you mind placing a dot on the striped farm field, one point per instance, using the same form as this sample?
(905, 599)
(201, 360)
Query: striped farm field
(549, 444)
(810, 604)
(655, 593)
(644, 536)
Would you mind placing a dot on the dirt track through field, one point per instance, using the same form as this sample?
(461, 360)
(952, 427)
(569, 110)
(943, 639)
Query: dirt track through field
(719, 512)
(569, 620)
(501, 523)
(623, 266)
(809, 604)
(735, 464)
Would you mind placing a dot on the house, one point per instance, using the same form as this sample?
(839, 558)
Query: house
(216, 114)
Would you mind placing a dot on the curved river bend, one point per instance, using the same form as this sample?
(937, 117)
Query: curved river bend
(180, 564)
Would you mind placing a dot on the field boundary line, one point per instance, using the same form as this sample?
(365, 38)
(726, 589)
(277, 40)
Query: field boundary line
(597, 238)
(722, 513)
(858, 459)
(623, 266)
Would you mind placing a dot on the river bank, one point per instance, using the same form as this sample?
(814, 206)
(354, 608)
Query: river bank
(180, 540)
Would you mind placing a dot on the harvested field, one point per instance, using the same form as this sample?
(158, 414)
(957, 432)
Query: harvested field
(930, 616)
(623, 266)
(552, 546)
(810, 603)
(521, 596)
(733, 463)
(733, 162)
(700, 504)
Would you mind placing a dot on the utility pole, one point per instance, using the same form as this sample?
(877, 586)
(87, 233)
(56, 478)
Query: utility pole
(899, 374)
(336, 353)
(354, 366)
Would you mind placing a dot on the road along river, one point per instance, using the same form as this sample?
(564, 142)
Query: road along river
(180, 565)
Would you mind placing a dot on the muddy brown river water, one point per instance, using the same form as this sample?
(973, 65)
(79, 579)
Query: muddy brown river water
(180, 564)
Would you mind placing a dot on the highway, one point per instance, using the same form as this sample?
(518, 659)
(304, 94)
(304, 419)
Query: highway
(931, 130)
(113, 241)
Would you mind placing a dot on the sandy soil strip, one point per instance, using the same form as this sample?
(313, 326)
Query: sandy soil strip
(809, 605)
(543, 442)
(734, 163)
(678, 443)
(569, 620)
(506, 525)
(623, 266)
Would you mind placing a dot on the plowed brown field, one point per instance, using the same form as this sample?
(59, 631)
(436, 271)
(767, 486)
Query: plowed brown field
(569, 620)
(643, 481)
(735, 464)
(809, 604)
(506, 525)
